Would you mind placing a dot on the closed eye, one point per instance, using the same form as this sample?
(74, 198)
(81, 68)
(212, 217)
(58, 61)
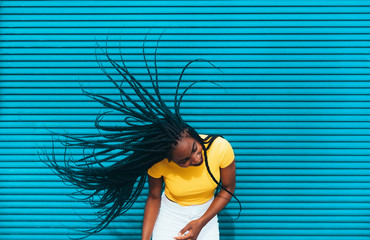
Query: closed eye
(184, 161)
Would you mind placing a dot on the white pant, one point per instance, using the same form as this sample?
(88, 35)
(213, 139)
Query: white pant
(173, 217)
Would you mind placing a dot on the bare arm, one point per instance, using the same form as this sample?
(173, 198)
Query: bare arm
(151, 207)
(220, 201)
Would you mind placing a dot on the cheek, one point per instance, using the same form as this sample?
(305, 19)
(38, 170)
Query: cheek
(199, 146)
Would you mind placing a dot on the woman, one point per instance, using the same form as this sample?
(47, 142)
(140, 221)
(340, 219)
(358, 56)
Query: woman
(187, 209)
(113, 173)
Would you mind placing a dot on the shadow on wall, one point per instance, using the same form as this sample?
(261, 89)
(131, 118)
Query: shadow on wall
(226, 225)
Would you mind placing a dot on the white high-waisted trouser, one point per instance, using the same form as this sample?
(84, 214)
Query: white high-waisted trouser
(173, 217)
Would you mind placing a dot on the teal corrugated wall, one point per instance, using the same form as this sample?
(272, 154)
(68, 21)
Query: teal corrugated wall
(295, 107)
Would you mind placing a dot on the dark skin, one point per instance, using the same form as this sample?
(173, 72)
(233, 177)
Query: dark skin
(188, 152)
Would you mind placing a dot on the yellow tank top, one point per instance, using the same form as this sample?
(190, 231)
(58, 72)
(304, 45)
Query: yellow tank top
(193, 185)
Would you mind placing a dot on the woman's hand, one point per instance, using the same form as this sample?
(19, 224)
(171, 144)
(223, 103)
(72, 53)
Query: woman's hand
(220, 201)
(192, 230)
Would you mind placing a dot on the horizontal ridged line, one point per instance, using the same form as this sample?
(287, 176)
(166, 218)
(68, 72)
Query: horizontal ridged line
(259, 27)
(178, 6)
(190, 20)
(179, 13)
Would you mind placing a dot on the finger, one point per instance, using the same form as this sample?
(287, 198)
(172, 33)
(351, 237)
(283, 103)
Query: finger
(183, 236)
(184, 230)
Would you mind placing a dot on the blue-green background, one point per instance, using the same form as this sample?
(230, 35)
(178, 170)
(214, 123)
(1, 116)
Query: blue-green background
(295, 107)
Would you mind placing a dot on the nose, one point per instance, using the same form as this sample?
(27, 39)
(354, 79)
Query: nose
(196, 159)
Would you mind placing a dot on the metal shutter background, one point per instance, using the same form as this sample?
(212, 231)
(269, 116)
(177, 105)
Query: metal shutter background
(295, 108)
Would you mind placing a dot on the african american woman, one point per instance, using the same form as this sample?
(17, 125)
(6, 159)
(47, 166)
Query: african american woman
(151, 142)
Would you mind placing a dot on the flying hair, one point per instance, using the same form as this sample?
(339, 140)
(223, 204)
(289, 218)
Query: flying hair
(115, 169)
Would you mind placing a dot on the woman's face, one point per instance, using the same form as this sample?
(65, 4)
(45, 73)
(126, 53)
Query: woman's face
(187, 152)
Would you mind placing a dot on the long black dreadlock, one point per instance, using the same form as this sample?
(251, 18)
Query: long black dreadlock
(148, 134)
